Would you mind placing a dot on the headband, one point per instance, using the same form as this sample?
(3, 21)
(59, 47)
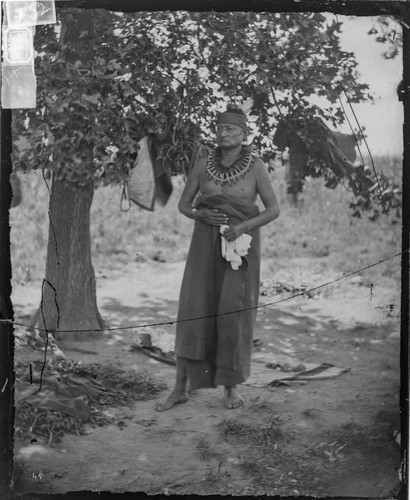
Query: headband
(232, 119)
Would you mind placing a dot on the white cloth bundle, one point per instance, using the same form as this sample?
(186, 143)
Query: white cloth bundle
(233, 251)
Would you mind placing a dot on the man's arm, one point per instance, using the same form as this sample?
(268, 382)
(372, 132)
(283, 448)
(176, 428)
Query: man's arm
(210, 216)
(265, 190)
(190, 191)
(267, 194)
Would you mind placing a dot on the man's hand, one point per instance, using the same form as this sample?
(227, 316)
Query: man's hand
(212, 216)
(233, 232)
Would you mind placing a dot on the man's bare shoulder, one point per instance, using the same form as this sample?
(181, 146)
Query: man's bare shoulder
(201, 163)
(258, 162)
(259, 167)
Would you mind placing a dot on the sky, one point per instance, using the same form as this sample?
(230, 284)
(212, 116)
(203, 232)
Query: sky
(383, 120)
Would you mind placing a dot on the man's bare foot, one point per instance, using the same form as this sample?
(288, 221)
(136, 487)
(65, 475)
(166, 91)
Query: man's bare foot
(174, 398)
(232, 398)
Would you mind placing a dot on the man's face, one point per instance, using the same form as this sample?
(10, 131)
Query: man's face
(229, 136)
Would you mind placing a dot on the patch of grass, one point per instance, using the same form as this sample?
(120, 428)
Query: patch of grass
(231, 427)
(252, 467)
(266, 435)
(356, 441)
(204, 449)
(270, 432)
(356, 436)
(284, 476)
(324, 228)
(276, 467)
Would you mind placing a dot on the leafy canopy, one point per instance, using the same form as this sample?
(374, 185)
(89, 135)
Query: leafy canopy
(99, 73)
(386, 31)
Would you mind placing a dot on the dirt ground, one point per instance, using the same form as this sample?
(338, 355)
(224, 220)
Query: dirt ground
(332, 437)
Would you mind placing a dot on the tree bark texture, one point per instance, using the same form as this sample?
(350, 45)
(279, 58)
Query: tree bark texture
(69, 292)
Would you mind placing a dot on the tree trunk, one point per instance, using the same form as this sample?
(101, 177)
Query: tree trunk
(69, 292)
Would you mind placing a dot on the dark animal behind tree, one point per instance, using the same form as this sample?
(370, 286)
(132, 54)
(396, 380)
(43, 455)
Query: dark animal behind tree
(336, 149)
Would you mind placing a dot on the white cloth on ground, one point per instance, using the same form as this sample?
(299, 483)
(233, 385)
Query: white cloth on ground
(233, 251)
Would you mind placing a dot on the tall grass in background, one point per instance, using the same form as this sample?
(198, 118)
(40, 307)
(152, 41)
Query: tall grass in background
(321, 228)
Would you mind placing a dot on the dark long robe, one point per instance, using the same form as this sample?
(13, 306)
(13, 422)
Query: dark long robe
(215, 346)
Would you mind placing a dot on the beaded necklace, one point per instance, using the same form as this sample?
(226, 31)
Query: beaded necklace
(232, 174)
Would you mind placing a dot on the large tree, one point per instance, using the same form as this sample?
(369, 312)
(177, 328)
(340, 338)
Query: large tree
(100, 73)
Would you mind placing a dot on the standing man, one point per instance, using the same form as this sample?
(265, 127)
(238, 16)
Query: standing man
(218, 300)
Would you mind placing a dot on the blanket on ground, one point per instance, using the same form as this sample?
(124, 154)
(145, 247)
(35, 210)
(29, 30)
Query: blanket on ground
(65, 393)
(217, 305)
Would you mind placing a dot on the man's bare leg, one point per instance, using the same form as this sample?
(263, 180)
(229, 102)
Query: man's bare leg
(179, 393)
(232, 398)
